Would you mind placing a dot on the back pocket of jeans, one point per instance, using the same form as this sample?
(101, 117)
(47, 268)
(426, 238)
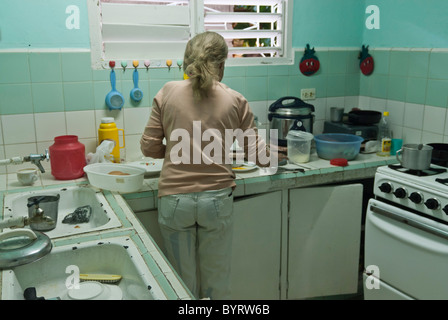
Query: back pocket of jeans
(168, 206)
(223, 206)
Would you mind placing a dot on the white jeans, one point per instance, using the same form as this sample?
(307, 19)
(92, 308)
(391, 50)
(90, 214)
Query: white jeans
(197, 233)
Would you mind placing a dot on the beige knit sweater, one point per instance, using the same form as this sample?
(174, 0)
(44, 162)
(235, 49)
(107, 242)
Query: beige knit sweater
(196, 151)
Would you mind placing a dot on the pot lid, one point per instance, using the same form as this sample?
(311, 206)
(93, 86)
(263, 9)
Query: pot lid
(299, 134)
(291, 106)
(22, 246)
(417, 147)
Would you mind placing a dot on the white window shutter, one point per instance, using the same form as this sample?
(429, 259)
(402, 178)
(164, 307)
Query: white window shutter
(137, 31)
(159, 30)
(252, 27)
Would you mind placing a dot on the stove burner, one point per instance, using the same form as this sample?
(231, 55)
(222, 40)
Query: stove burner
(418, 173)
(442, 181)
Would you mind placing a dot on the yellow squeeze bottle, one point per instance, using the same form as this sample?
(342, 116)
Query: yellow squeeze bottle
(108, 131)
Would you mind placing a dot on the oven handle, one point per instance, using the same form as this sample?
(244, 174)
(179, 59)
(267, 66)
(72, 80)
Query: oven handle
(410, 222)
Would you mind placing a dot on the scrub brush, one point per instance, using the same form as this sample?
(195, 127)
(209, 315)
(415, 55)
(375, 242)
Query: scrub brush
(103, 278)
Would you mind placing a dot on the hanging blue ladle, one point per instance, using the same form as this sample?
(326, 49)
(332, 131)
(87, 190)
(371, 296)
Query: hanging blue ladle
(136, 93)
(114, 99)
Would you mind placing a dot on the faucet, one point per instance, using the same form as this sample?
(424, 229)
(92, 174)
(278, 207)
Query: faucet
(33, 158)
(36, 217)
(37, 158)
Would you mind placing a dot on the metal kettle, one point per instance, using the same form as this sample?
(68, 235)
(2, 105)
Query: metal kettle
(290, 113)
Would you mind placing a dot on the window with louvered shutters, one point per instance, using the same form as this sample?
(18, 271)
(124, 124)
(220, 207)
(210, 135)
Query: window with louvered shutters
(257, 31)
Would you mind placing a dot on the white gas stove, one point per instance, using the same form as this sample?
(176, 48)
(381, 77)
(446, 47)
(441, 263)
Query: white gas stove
(406, 235)
(425, 191)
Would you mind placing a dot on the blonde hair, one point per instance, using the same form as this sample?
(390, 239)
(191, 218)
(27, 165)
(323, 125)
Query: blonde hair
(204, 57)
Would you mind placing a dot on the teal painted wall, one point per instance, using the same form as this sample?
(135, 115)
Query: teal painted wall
(409, 24)
(328, 23)
(322, 23)
(342, 23)
(42, 24)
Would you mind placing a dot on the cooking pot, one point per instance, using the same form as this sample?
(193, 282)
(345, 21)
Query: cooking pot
(439, 154)
(415, 156)
(290, 113)
(363, 117)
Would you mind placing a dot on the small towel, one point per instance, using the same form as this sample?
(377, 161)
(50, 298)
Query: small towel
(80, 215)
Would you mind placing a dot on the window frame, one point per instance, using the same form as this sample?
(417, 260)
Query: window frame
(196, 8)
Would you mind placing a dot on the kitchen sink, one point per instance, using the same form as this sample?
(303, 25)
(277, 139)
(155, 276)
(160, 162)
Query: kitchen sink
(71, 198)
(55, 274)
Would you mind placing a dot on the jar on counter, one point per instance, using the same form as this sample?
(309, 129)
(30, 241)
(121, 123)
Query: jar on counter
(108, 131)
(67, 158)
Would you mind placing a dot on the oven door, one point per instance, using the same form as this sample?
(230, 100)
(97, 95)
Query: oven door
(408, 252)
(375, 289)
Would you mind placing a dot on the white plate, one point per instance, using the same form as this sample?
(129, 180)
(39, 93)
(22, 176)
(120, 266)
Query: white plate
(244, 167)
(92, 290)
(152, 166)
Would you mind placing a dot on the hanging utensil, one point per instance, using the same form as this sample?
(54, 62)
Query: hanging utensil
(136, 93)
(114, 99)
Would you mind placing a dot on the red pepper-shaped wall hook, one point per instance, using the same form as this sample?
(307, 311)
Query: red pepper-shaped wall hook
(309, 64)
(366, 61)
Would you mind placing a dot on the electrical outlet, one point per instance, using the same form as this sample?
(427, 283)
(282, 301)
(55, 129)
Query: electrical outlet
(308, 94)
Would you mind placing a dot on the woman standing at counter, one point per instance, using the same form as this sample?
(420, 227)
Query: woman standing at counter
(195, 193)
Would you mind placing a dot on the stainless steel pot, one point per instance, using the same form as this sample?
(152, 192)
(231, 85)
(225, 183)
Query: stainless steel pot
(415, 156)
(290, 113)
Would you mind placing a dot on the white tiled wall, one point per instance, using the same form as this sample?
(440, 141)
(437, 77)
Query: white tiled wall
(24, 134)
(414, 123)
(33, 133)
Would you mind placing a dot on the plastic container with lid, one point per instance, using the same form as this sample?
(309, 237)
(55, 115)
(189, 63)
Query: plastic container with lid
(299, 146)
(67, 158)
(108, 131)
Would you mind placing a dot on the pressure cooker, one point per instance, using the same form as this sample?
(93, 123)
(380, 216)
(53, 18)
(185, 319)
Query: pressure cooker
(290, 113)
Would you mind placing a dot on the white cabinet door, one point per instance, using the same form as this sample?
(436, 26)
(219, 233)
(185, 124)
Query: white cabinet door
(256, 253)
(256, 248)
(324, 240)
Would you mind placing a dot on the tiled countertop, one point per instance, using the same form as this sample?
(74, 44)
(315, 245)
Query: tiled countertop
(320, 170)
(315, 172)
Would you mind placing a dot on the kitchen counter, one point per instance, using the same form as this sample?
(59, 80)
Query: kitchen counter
(315, 172)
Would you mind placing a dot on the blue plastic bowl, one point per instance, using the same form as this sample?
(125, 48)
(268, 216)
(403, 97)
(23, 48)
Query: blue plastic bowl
(337, 145)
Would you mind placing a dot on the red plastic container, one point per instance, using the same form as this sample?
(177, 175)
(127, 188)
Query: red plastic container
(67, 158)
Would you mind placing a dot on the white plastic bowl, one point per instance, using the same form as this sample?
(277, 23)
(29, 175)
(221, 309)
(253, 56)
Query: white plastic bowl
(98, 175)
